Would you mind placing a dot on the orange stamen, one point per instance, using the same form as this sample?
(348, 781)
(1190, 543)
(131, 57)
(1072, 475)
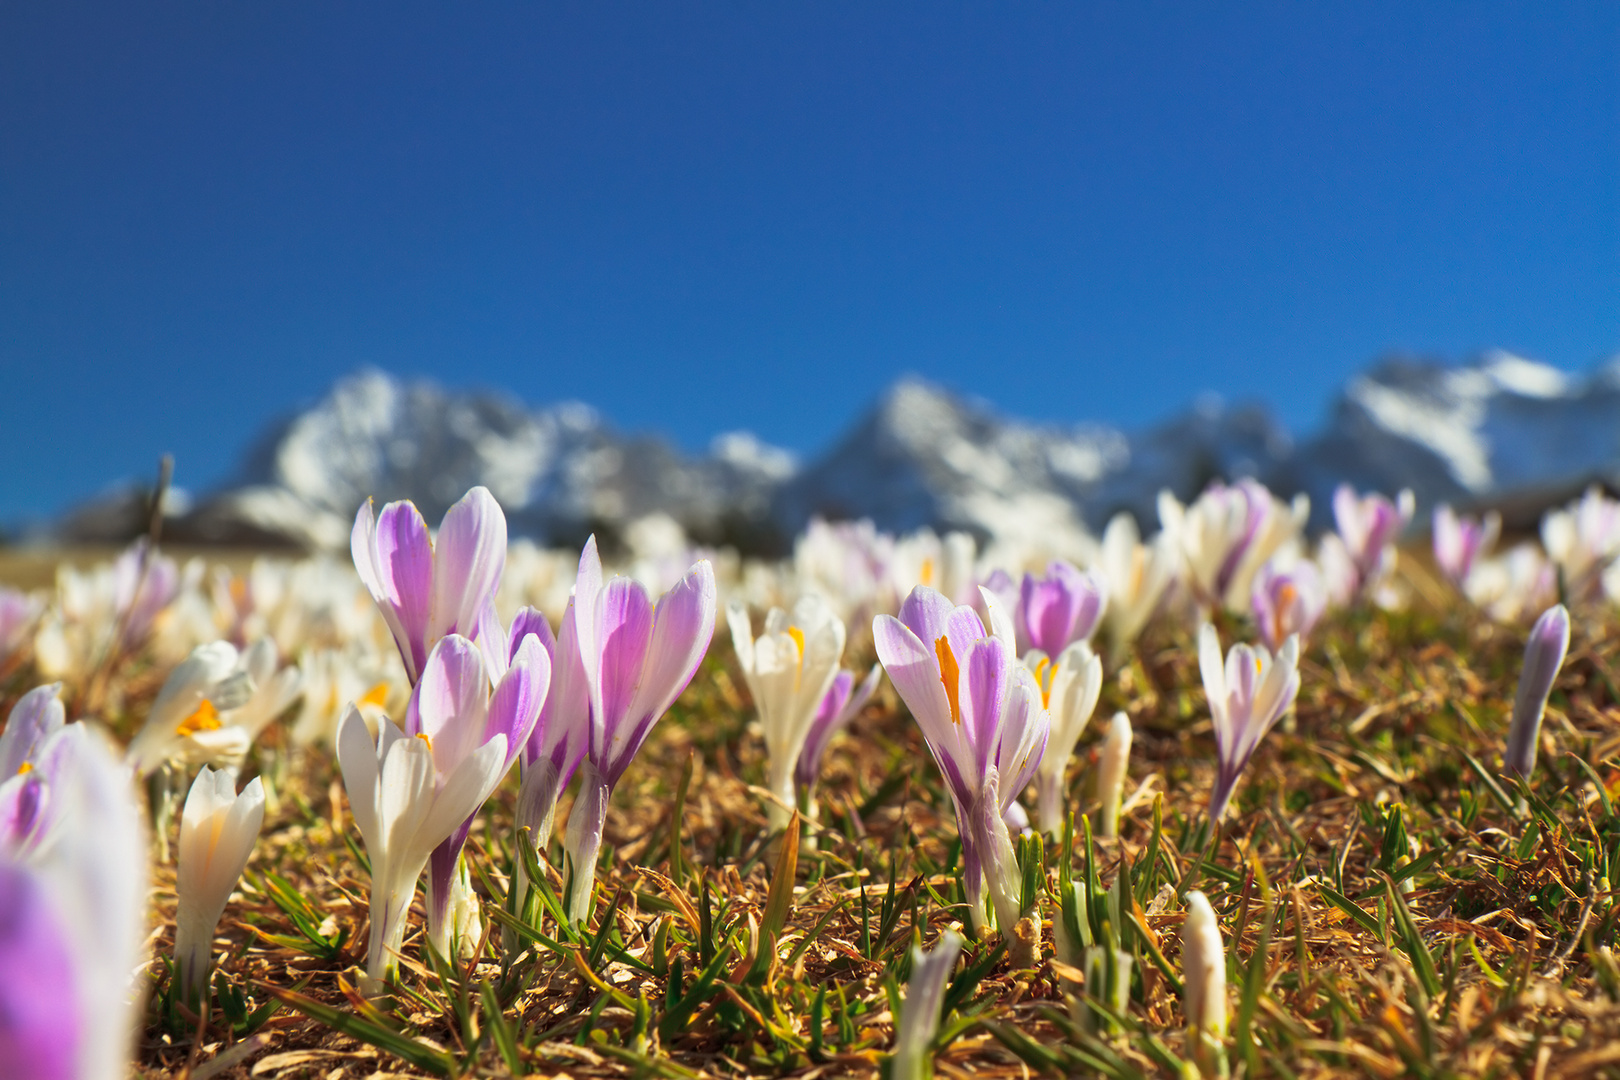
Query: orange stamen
(206, 718)
(26, 767)
(950, 675)
(377, 695)
(423, 736)
(927, 575)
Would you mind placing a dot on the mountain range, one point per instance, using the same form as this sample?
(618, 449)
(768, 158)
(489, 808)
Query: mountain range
(1502, 431)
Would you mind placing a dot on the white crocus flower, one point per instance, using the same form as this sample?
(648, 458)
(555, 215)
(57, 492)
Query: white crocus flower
(1070, 686)
(925, 997)
(1203, 976)
(275, 688)
(218, 829)
(184, 721)
(1111, 762)
(788, 668)
(404, 809)
(1137, 574)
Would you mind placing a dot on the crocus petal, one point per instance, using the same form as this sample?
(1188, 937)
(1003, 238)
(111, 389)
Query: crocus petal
(530, 621)
(37, 716)
(464, 791)
(624, 623)
(404, 568)
(41, 1022)
(925, 613)
(1212, 668)
(914, 670)
(358, 758)
(514, 708)
(468, 558)
(450, 703)
(682, 629)
(984, 676)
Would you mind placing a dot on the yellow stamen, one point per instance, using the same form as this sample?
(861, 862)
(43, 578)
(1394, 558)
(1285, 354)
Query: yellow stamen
(1287, 595)
(423, 736)
(798, 639)
(26, 767)
(1043, 682)
(1257, 665)
(206, 718)
(927, 575)
(377, 695)
(950, 675)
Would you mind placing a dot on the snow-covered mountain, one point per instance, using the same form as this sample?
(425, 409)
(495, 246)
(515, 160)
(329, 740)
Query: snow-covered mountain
(1503, 432)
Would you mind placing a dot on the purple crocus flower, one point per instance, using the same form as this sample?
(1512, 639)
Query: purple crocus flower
(18, 613)
(841, 704)
(144, 583)
(1247, 696)
(1062, 607)
(1369, 525)
(1460, 541)
(557, 745)
(637, 659)
(41, 1027)
(73, 920)
(33, 750)
(1543, 656)
(1287, 601)
(981, 714)
(426, 587)
(454, 712)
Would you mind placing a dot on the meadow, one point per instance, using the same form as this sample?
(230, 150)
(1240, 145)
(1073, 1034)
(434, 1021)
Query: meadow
(1395, 889)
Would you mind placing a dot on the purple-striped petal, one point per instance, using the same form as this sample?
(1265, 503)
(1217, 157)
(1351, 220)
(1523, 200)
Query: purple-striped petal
(37, 716)
(42, 1025)
(514, 708)
(983, 694)
(624, 623)
(468, 558)
(449, 705)
(402, 568)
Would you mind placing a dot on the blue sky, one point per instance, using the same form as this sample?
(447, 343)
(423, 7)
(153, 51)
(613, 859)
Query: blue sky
(699, 217)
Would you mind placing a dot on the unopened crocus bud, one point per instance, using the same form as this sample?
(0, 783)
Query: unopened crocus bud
(1114, 756)
(218, 829)
(1543, 656)
(1203, 976)
(919, 1019)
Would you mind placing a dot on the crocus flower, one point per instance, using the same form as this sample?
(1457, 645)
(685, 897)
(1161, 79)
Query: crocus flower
(404, 807)
(1247, 696)
(37, 716)
(1460, 541)
(1111, 763)
(1227, 534)
(557, 744)
(1138, 575)
(1543, 656)
(1203, 978)
(841, 704)
(1063, 606)
(185, 719)
(637, 659)
(981, 714)
(73, 923)
(1513, 586)
(789, 669)
(1368, 527)
(924, 1001)
(1287, 600)
(428, 587)
(144, 583)
(218, 829)
(41, 1027)
(18, 614)
(1582, 540)
(454, 713)
(1070, 685)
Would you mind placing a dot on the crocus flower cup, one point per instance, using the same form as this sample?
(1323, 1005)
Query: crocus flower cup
(1248, 694)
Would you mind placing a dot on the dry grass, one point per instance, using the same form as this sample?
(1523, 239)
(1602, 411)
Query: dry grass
(1494, 962)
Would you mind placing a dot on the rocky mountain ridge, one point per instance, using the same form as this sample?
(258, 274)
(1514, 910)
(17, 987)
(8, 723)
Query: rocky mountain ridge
(1501, 431)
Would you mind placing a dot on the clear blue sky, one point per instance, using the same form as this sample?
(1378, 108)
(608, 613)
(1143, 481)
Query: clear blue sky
(699, 217)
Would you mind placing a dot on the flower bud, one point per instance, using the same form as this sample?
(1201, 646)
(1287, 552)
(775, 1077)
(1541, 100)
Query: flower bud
(1543, 656)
